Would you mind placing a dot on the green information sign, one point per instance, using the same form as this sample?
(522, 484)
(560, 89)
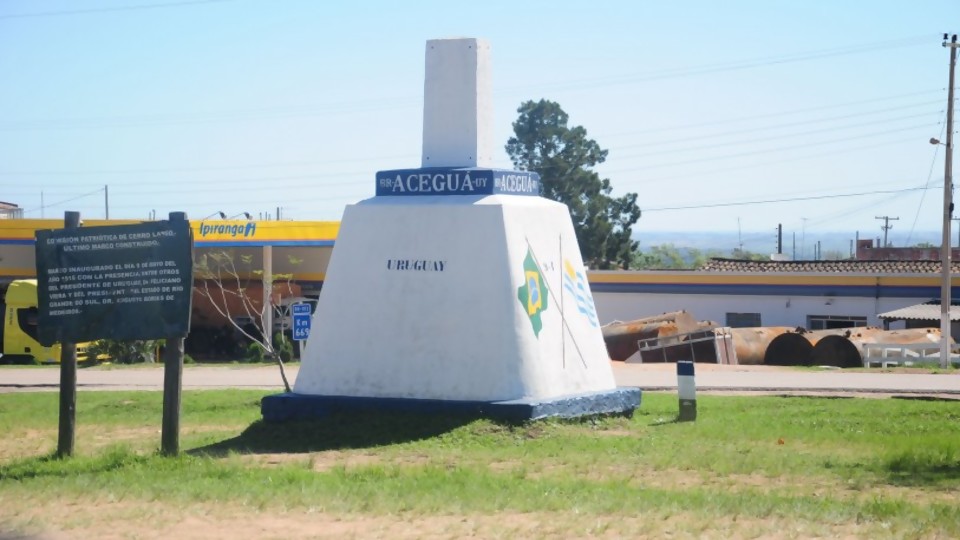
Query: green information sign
(121, 282)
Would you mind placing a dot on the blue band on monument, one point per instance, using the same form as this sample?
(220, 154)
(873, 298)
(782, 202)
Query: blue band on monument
(456, 181)
(685, 369)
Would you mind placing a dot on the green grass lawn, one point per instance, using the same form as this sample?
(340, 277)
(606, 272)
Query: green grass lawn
(750, 466)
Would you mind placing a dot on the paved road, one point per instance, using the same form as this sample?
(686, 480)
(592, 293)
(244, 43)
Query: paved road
(777, 379)
(649, 376)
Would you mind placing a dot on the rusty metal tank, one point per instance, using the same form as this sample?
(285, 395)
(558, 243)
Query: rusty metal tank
(836, 350)
(846, 349)
(621, 337)
(789, 349)
(751, 343)
(816, 335)
(797, 348)
(908, 336)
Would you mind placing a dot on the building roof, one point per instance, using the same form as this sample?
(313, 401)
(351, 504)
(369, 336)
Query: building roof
(832, 267)
(927, 311)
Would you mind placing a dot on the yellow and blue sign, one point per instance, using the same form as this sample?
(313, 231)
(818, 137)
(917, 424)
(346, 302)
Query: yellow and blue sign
(221, 233)
(218, 233)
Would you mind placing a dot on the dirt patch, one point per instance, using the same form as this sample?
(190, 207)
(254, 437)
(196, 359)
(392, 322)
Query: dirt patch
(28, 442)
(347, 459)
(672, 479)
(90, 439)
(640, 474)
(326, 461)
(200, 522)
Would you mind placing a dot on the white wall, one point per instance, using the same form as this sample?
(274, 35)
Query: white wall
(774, 310)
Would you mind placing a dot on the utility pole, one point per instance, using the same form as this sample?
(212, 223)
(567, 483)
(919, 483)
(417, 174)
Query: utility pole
(106, 202)
(886, 227)
(780, 239)
(803, 238)
(945, 292)
(739, 239)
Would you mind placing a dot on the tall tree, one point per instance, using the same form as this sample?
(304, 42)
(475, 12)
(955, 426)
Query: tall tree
(563, 156)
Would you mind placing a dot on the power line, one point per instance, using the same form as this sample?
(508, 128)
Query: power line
(233, 115)
(65, 201)
(933, 162)
(368, 194)
(216, 185)
(755, 164)
(109, 9)
(269, 184)
(410, 156)
(774, 137)
(792, 199)
(206, 117)
(777, 126)
(853, 210)
(259, 186)
(204, 169)
(772, 115)
(744, 64)
(359, 178)
(779, 149)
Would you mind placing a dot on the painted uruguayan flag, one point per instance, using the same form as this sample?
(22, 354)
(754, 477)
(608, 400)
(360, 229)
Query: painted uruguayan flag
(576, 284)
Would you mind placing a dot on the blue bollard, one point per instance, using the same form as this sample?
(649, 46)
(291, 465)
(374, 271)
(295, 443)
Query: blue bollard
(687, 389)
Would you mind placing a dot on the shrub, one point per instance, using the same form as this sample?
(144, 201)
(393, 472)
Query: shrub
(254, 352)
(125, 352)
(283, 346)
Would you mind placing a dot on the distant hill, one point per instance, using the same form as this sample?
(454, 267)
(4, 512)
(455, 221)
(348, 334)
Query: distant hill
(765, 242)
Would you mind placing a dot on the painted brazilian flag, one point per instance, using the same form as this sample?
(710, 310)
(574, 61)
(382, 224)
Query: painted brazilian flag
(533, 293)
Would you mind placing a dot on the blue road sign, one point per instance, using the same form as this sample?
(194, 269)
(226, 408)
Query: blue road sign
(301, 321)
(456, 181)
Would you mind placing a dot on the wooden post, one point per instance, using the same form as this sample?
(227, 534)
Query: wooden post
(68, 377)
(172, 384)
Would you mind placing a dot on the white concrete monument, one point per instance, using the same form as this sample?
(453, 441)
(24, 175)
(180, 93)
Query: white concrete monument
(457, 286)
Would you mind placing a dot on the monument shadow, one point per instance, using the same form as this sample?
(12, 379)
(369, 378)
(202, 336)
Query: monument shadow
(338, 430)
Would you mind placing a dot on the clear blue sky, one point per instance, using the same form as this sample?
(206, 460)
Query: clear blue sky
(249, 105)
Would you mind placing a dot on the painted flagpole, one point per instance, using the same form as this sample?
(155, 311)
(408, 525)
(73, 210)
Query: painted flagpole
(687, 389)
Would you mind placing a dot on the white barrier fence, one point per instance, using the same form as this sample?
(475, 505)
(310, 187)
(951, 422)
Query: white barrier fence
(899, 354)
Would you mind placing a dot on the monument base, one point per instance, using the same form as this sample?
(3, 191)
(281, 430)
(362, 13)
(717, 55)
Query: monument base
(293, 406)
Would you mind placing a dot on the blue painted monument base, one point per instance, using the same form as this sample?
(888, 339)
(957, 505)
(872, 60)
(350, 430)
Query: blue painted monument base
(293, 406)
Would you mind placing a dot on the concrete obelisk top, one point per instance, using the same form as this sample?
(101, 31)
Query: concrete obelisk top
(457, 135)
(457, 110)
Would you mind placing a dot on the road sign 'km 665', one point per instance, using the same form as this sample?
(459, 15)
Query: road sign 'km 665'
(301, 321)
